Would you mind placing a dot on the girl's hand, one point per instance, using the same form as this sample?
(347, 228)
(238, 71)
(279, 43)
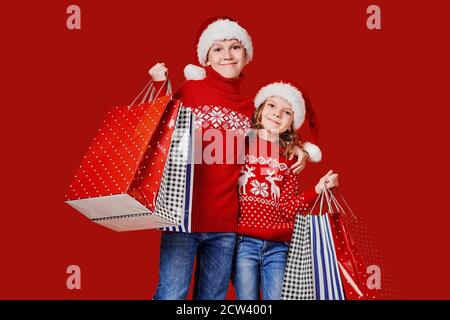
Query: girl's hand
(330, 180)
(158, 72)
(302, 156)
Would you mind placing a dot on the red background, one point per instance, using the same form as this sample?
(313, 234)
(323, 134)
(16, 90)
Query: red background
(380, 95)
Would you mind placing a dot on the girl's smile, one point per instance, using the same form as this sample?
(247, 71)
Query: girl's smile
(277, 115)
(277, 123)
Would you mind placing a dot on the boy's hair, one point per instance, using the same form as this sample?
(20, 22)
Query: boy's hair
(287, 140)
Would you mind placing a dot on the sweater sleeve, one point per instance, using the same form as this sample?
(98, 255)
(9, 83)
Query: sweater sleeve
(293, 202)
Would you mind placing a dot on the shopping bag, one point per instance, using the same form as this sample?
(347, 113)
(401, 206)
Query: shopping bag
(327, 280)
(119, 177)
(352, 265)
(298, 283)
(175, 195)
(311, 270)
(172, 207)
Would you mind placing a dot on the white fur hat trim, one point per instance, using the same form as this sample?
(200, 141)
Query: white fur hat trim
(289, 93)
(219, 30)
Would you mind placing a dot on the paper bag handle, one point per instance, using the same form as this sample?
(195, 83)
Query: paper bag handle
(150, 92)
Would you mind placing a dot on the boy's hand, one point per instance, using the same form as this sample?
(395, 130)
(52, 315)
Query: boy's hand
(302, 156)
(158, 72)
(330, 180)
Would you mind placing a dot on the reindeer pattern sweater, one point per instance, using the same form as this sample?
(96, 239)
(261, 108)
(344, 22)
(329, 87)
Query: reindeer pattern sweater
(269, 193)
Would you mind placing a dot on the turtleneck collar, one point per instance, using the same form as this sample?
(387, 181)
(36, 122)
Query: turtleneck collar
(231, 86)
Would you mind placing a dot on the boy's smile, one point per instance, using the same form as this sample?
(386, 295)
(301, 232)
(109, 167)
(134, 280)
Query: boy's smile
(227, 58)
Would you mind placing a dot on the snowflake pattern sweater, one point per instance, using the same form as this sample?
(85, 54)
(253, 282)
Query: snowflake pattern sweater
(219, 108)
(269, 196)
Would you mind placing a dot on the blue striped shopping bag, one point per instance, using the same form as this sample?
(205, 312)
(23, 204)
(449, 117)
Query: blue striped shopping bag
(327, 280)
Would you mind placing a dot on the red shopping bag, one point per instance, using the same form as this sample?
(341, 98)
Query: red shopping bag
(351, 263)
(147, 179)
(121, 172)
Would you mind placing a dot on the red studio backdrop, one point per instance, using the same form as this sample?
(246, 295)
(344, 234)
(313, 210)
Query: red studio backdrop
(381, 97)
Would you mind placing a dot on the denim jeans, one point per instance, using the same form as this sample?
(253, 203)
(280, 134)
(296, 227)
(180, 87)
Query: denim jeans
(259, 266)
(214, 253)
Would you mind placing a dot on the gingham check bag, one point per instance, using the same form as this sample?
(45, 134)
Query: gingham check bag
(174, 201)
(298, 277)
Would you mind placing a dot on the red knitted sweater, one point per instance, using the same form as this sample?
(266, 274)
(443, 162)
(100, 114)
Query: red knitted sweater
(219, 108)
(269, 194)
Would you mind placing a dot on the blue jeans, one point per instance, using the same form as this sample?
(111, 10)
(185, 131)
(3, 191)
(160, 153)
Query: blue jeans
(214, 253)
(259, 266)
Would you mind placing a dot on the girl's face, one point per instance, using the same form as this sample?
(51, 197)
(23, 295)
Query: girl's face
(227, 58)
(277, 115)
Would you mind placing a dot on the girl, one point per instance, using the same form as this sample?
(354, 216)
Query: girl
(224, 48)
(269, 195)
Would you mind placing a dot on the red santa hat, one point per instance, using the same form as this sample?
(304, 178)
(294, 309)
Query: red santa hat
(216, 29)
(302, 108)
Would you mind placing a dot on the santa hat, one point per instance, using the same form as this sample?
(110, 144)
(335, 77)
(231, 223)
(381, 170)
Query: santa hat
(216, 29)
(302, 108)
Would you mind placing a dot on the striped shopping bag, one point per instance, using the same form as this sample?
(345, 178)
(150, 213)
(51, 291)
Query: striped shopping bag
(327, 280)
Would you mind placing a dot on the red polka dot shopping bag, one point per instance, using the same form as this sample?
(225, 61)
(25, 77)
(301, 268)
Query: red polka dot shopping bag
(137, 172)
(358, 260)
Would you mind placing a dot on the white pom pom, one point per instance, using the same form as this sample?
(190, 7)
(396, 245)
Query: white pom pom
(315, 155)
(193, 72)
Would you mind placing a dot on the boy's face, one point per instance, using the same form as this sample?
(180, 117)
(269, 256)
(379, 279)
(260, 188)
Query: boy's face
(227, 58)
(277, 115)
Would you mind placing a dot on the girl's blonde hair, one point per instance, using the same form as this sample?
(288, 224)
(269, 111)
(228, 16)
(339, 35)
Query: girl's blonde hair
(287, 140)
